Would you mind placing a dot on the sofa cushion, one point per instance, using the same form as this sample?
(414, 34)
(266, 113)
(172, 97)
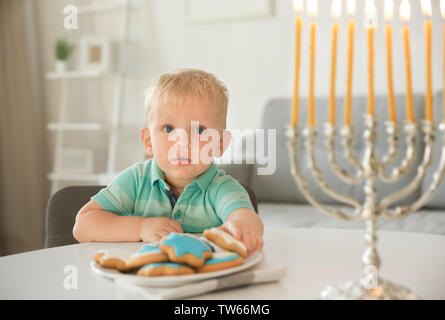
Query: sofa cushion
(305, 216)
(438, 199)
(281, 187)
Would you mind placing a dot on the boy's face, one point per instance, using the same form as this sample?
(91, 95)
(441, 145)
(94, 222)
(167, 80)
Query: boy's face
(180, 135)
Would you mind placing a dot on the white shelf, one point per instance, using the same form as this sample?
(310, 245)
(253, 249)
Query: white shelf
(74, 176)
(74, 126)
(100, 178)
(76, 74)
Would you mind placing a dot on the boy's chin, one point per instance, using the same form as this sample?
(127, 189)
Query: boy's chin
(187, 170)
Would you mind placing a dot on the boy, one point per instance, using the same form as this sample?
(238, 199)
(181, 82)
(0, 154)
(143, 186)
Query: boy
(180, 189)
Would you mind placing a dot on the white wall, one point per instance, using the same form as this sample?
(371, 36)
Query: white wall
(254, 57)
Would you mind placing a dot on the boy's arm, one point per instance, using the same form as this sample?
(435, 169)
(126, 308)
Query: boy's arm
(93, 223)
(245, 225)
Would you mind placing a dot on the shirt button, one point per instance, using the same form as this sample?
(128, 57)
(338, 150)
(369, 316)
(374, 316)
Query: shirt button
(178, 214)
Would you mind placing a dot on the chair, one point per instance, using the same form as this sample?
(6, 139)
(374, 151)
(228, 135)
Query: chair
(64, 204)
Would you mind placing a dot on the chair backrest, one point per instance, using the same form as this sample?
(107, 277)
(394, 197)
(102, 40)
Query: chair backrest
(64, 205)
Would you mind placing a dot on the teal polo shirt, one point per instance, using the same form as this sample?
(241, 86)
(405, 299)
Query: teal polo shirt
(141, 190)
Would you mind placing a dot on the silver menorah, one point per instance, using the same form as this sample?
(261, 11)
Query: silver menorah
(369, 169)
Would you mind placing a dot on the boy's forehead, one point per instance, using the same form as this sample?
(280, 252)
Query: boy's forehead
(195, 108)
(178, 100)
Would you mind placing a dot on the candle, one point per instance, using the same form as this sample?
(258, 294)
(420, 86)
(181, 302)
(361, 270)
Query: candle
(335, 11)
(427, 11)
(351, 27)
(298, 7)
(442, 11)
(312, 10)
(389, 9)
(405, 12)
(370, 12)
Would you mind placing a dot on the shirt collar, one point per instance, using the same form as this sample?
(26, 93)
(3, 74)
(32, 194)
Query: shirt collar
(157, 174)
(202, 181)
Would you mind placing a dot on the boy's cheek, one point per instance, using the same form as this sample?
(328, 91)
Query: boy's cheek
(195, 154)
(210, 148)
(162, 145)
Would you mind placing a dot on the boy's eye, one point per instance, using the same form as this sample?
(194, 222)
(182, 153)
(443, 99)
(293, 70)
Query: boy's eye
(168, 128)
(199, 130)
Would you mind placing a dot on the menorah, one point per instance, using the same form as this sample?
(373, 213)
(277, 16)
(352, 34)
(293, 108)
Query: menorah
(369, 169)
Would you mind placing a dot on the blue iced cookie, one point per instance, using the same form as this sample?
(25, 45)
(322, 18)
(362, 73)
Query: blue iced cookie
(182, 248)
(221, 260)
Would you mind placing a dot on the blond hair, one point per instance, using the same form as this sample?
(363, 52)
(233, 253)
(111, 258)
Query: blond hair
(192, 83)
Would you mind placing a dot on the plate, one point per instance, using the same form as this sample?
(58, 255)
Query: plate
(174, 281)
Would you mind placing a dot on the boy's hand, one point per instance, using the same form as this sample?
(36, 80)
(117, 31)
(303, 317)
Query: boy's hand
(244, 233)
(153, 229)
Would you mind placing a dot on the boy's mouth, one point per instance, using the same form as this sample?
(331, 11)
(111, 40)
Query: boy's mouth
(181, 161)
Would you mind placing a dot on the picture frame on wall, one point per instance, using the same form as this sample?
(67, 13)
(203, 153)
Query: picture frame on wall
(70, 161)
(95, 53)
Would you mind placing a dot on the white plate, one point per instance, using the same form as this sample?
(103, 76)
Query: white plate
(174, 281)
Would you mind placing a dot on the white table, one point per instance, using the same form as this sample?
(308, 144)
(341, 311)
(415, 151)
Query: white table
(315, 258)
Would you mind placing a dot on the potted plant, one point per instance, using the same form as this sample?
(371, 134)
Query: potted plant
(63, 52)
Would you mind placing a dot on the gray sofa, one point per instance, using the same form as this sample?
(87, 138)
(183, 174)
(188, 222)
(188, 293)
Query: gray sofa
(282, 204)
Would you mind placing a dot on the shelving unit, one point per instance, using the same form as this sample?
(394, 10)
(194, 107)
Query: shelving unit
(74, 126)
(76, 74)
(63, 124)
(99, 177)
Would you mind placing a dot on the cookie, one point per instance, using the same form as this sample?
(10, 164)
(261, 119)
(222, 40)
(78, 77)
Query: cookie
(211, 246)
(112, 259)
(186, 249)
(221, 260)
(149, 253)
(98, 255)
(226, 241)
(164, 269)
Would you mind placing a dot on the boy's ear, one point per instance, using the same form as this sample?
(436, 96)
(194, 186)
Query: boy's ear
(146, 141)
(224, 141)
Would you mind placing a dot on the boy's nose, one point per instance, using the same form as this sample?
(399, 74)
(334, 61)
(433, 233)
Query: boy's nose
(182, 147)
(183, 142)
(179, 138)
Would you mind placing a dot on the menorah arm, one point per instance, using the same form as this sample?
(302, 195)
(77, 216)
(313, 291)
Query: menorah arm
(428, 129)
(292, 144)
(310, 133)
(410, 155)
(402, 211)
(392, 130)
(344, 175)
(347, 133)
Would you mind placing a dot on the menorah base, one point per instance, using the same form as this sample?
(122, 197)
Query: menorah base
(354, 290)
